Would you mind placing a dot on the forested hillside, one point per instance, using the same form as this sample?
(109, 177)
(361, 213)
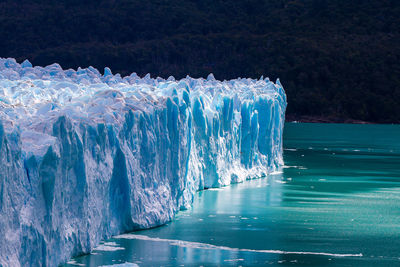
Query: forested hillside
(337, 59)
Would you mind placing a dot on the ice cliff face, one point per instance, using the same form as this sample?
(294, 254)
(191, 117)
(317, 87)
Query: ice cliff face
(84, 156)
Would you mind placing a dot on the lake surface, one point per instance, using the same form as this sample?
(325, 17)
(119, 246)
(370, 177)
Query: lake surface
(337, 203)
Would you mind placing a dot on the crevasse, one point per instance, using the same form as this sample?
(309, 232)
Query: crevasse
(85, 156)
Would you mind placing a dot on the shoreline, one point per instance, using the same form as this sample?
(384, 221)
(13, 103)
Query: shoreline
(322, 119)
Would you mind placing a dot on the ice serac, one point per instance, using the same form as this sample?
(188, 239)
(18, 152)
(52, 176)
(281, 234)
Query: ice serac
(84, 156)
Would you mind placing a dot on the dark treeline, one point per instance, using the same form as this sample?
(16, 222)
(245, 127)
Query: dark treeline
(336, 58)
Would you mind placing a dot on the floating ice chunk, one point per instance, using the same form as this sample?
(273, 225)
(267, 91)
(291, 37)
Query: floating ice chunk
(126, 264)
(108, 248)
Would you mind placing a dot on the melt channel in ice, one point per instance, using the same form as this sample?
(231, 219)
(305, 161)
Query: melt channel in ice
(84, 156)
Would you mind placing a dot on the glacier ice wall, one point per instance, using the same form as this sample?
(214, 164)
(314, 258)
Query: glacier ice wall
(84, 156)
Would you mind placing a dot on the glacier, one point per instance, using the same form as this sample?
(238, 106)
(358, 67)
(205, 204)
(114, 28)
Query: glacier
(85, 155)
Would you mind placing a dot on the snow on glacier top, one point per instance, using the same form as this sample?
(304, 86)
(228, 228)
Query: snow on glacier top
(31, 98)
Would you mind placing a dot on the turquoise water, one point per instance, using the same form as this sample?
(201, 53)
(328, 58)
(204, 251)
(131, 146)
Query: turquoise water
(337, 203)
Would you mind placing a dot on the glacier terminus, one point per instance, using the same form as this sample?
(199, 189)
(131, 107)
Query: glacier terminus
(85, 156)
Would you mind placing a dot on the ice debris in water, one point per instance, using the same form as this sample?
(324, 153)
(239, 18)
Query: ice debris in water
(126, 264)
(84, 156)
